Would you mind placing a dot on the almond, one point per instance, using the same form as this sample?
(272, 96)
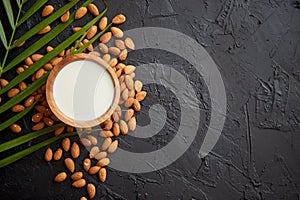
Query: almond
(129, 69)
(48, 154)
(28, 61)
(66, 144)
(116, 129)
(129, 43)
(102, 174)
(106, 57)
(103, 162)
(70, 164)
(57, 154)
(47, 10)
(91, 32)
(113, 147)
(76, 176)
(115, 117)
(136, 105)
(125, 94)
(140, 96)
(48, 121)
(22, 86)
(138, 85)
(59, 131)
(49, 48)
(106, 143)
(118, 110)
(20, 70)
(105, 37)
(85, 142)
(83, 198)
(80, 12)
(113, 62)
(129, 82)
(118, 33)
(128, 114)
(76, 29)
(114, 51)
(91, 190)
(93, 9)
(132, 124)
(65, 17)
(38, 126)
(45, 30)
(36, 57)
(37, 117)
(123, 127)
(105, 133)
(129, 102)
(15, 128)
(93, 140)
(103, 23)
(123, 55)
(94, 170)
(3, 82)
(17, 108)
(103, 48)
(75, 150)
(60, 177)
(94, 151)
(40, 108)
(79, 183)
(120, 44)
(108, 124)
(100, 155)
(119, 19)
(55, 118)
(86, 164)
(70, 129)
(29, 101)
(13, 92)
(21, 44)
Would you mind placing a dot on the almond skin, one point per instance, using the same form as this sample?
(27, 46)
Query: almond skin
(129, 82)
(45, 30)
(38, 126)
(65, 17)
(37, 117)
(103, 23)
(123, 55)
(129, 102)
(79, 183)
(36, 57)
(120, 44)
(93, 140)
(123, 127)
(48, 121)
(76, 29)
(104, 133)
(132, 124)
(101, 155)
(118, 33)
(13, 92)
(105, 37)
(39, 73)
(29, 101)
(136, 105)
(86, 164)
(128, 114)
(94, 170)
(66, 144)
(59, 131)
(116, 129)
(103, 48)
(94, 151)
(106, 143)
(76, 176)
(3, 82)
(75, 150)
(17, 108)
(102, 174)
(93, 9)
(119, 19)
(138, 85)
(60, 177)
(91, 32)
(57, 154)
(70, 164)
(48, 154)
(80, 12)
(15, 128)
(22, 86)
(28, 61)
(129, 69)
(85, 142)
(103, 162)
(129, 43)
(140, 96)
(91, 190)
(48, 10)
(113, 147)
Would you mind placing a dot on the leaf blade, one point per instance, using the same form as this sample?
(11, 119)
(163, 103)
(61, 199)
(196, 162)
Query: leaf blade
(9, 12)
(2, 35)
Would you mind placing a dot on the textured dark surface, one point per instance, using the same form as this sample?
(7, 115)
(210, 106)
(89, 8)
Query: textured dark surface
(256, 46)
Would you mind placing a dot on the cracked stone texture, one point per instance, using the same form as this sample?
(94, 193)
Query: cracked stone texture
(256, 47)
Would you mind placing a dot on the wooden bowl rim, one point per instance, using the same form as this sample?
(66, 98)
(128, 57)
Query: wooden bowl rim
(52, 104)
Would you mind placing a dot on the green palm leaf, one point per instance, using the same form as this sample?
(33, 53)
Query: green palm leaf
(9, 12)
(2, 35)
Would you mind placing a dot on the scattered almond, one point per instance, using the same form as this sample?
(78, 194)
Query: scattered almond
(13, 92)
(123, 55)
(105, 133)
(59, 131)
(93, 140)
(76, 176)
(65, 17)
(57, 154)
(138, 85)
(129, 102)
(45, 30)
(3, 82)
(103, 23)
(106, 143)
(103, 162)
(105, 37)
(79, 183)
(85, 142)
(119, 19)
(93, 9)
(103, 48)
(132, 124)
(91, 32)
(36, 57)
(123, 127)
(29, 101)
(118, 33)
(47, 10)
(116, 129)
(80, 12)
(129, 69)
(39, 73)
(128, 114)
(136, 105)
(28, 61)
(94, 151)
(66, 144)
(140, 96)
(17, 108)
(94, 170)
(91, 190)
(60, 177)
(76, 29)
(48, 154)
(37, 117)
(75, 150)
(38, 126)
(129, 43)
(100, 155)
(102, 174)
(86, 164)
(15, 128)
(113, 147)
(70, 164)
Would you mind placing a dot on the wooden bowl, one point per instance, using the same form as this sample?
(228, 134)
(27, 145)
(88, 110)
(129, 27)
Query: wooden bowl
(55, 108)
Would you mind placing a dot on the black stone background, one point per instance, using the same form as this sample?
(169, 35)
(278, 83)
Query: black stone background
(256, 47)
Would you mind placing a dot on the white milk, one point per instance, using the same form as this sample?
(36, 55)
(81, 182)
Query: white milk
(83, 90)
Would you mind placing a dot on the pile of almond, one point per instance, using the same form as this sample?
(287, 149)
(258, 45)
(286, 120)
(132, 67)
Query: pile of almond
(113, 48)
